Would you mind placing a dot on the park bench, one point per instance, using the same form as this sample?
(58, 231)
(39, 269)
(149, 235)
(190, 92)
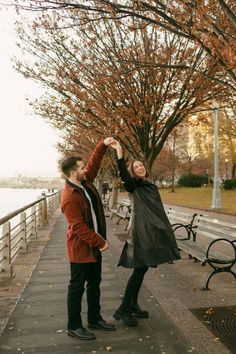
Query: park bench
(181, 221)
(122, 210)
(105, 201)
(210, 241)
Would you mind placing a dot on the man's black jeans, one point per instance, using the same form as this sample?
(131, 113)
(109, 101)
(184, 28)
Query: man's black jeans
(81, 273)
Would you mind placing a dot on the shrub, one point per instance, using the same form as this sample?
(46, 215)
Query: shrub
(191, 180)
(229, 184)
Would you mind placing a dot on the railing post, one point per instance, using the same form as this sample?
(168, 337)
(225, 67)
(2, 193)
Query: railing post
(54, 203)
(39, 215)
(33, 221)
(23, 242)
(38, 221)
(49, 206)
(44, 215)
(5, 255)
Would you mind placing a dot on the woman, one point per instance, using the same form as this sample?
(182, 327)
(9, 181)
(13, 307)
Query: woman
(151, 239)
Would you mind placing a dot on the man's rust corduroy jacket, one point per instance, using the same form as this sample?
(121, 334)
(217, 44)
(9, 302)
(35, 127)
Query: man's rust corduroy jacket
(81, 239)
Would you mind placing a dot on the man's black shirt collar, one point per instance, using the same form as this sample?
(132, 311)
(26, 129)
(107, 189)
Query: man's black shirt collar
(74, 185)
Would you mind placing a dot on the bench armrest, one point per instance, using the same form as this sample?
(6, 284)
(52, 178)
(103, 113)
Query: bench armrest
(221, 261)
(125, 208)
(188, 230)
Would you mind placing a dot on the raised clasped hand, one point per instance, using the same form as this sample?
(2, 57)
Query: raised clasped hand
(115, 144)
(108, 140)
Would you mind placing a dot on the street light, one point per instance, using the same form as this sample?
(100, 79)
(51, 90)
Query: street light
(226, 168)
(207, 174)
(216, 197)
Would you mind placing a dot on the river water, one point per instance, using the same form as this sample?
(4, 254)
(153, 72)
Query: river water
(12, 199)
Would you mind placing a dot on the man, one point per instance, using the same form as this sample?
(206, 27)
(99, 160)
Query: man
(105, 189)
(86, 239)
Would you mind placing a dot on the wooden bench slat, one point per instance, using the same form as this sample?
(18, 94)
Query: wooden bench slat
(217, 221)
(214, 236)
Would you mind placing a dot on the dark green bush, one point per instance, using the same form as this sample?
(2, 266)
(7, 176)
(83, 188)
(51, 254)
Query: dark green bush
(191, 180)
(229, 184)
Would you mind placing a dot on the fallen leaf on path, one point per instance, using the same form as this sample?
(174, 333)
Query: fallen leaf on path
(210, 311)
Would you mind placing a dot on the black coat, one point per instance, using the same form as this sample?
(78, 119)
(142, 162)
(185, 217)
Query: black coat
(152, 240)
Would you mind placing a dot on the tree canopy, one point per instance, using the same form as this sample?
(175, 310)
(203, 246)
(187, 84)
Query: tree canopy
(210, 25)
(96, 86)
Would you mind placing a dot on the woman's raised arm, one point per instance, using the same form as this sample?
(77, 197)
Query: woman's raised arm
(130, 184)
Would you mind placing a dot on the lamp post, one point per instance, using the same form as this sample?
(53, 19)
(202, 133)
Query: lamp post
(216, 196)
(207, 174)
(226, 168)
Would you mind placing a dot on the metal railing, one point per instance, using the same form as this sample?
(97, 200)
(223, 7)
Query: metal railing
(18, 227)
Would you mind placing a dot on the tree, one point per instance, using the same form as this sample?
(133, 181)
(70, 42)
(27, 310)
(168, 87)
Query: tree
(210, 25)
(178, 154)
(228, 136)
(196, 145)
(96, 86)
(172, 142)
(161, 171)
(201, 137)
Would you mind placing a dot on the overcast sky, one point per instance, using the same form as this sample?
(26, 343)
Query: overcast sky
(27, 142)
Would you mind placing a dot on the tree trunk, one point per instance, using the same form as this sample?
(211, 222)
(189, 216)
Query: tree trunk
(173, 165)
(114, 193)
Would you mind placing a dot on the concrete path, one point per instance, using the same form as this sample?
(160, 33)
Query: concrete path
(38, 321)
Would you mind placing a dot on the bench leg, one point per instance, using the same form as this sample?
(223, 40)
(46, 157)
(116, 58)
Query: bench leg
(126, 226)
(118, 220)
(208, 280)
(232, 273)
(218, 270)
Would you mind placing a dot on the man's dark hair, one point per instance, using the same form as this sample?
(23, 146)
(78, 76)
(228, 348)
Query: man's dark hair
(69, 163)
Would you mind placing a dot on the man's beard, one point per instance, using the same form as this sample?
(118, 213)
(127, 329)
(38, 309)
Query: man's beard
(80, 177)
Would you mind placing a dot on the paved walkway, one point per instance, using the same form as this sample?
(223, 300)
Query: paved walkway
(38, 321)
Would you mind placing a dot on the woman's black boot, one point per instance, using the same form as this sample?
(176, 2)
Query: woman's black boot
(137, 312)
(126, 317)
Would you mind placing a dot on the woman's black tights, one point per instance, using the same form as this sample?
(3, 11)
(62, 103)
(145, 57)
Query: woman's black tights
(132, 289)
